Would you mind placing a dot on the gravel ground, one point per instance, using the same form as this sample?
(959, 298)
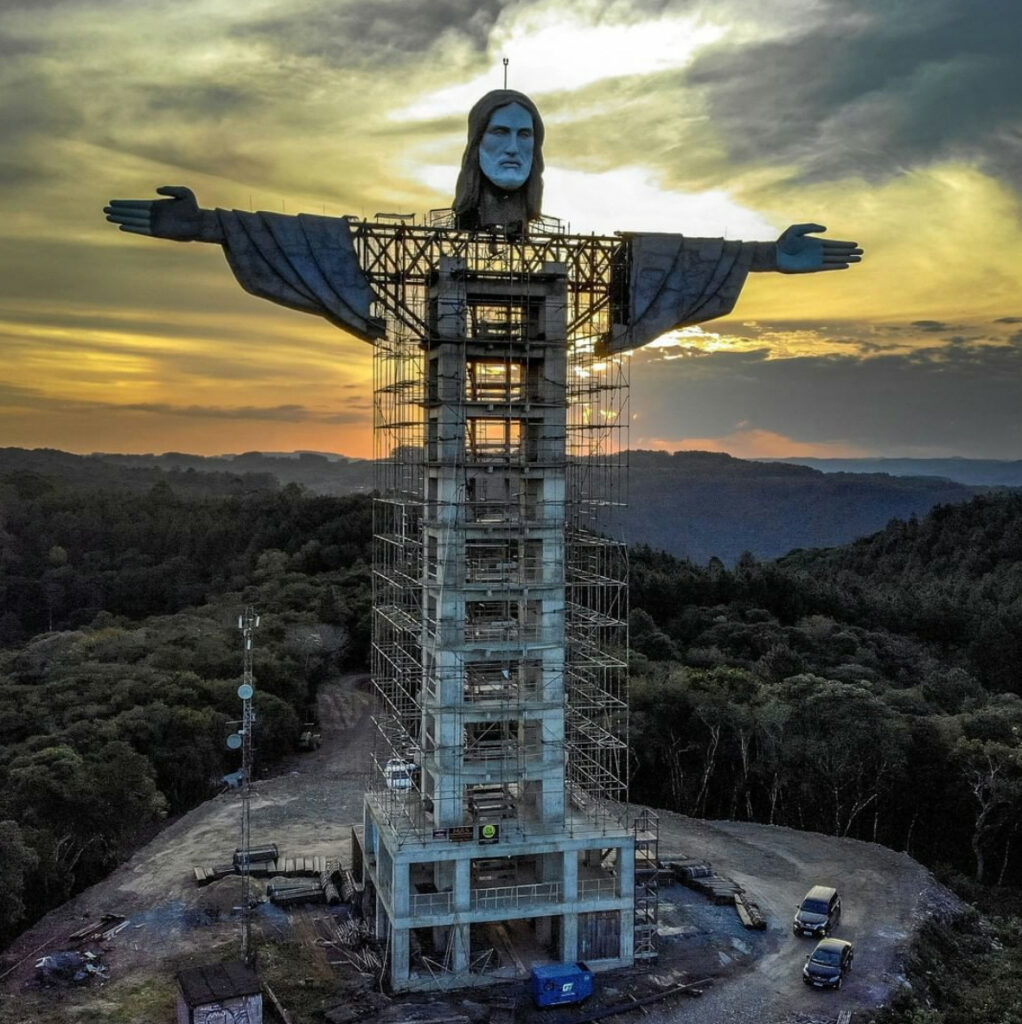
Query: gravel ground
(886, 895)
(309, 807)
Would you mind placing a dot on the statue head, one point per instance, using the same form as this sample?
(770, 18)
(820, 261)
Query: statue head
(502, 167)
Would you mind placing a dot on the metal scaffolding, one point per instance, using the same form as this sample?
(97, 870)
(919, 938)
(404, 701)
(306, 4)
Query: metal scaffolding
(497, 427)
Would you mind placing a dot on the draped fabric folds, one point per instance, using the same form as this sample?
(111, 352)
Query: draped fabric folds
(674, 281)
(309, 263)
(305, 262)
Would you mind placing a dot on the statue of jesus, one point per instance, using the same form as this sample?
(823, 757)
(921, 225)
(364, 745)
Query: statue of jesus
(309, 262)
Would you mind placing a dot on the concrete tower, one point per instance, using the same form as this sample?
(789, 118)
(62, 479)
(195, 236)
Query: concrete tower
(494, 835)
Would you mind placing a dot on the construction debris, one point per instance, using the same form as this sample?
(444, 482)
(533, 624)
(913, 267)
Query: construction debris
(255, 855)
(99, 931)
(360, 1005)
(288, 892)
(263, 862)
(685, 870)
(692, 990)
(69, 968)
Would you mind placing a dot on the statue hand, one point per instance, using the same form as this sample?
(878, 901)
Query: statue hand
(797, 253)
(178, 218)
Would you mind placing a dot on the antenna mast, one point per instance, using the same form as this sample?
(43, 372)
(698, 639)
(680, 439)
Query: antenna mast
(506, 62)
(247, 623)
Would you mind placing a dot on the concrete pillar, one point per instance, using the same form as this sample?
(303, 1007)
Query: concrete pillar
(627, 935)
(370, 832)
(443, 875)
(399, 956)
(462, 885)
(569, 938)
(550, 866)
(381, 923)
(402, 895)
(459, 948)
(569, 876)
(626, 870)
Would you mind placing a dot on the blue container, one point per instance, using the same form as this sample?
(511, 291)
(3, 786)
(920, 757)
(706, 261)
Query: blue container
(553, 984)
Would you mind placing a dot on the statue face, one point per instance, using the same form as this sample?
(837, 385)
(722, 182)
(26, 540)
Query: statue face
(505, 150)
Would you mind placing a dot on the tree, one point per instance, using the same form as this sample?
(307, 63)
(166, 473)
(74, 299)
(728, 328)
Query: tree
(988, 752)
(17, 859)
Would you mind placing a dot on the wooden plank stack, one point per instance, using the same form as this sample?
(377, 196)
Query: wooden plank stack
(749, 913)
(699, 875)
(718, 888)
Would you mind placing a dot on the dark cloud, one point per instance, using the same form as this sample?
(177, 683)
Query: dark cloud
(18, 46)
(22, 171)
(875, 88)
(961, 399)
(931, 326)
(360, 34)
(17, 397)
(274, 413)
(1009, 320)
(281, 413)
(32, 106)
(206, 99)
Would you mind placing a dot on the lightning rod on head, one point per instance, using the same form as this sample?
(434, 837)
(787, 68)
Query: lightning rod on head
(506, 62)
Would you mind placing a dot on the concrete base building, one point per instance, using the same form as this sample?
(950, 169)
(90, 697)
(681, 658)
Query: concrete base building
(494, 836)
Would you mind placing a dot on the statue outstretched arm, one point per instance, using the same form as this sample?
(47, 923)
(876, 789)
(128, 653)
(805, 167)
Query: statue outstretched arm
(305, 262)
(179, 217)
(670, 281)
(795, 252)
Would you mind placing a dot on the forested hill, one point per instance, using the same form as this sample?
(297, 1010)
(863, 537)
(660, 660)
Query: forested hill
(953, 578)
(871, 690)
(120, 660)
(702, 504)
(696, 505)
(46, 469)
(982, 472)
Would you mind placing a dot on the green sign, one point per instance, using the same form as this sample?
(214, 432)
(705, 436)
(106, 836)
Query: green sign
(489, 833)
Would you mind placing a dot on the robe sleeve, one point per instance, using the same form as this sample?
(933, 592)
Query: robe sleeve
(671, 281)
(305, 262)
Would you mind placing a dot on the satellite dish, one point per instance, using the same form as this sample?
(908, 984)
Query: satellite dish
(245, 691)
(234, 741)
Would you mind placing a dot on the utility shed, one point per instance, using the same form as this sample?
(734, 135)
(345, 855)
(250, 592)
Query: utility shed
(219, 994)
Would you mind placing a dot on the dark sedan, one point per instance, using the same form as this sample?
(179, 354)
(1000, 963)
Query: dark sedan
(827, 965)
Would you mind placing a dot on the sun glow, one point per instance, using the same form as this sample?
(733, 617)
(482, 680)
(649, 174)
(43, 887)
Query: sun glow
(553, 50)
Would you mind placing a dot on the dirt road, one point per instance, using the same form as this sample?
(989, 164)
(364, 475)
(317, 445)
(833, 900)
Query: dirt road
(886, 896)
(309, 807)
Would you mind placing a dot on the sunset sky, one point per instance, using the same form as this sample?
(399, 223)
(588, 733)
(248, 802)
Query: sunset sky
(897, 123)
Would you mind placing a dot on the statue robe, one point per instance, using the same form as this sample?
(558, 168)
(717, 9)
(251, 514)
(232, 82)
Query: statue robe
(309, 263)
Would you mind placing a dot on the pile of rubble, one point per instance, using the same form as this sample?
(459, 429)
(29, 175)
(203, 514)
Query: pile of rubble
(69, 968)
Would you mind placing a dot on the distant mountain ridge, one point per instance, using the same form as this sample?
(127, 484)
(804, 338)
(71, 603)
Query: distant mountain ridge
(699, 504)
(695, 505)
(977, 472)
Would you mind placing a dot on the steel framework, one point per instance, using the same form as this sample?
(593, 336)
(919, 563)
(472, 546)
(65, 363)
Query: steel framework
(401, 261)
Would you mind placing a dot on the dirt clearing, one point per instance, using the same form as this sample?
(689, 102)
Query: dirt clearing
(308, 809)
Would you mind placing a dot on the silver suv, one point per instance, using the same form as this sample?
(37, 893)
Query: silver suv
(818, 912)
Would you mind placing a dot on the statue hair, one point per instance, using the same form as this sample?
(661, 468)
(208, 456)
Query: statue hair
(471, 181)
